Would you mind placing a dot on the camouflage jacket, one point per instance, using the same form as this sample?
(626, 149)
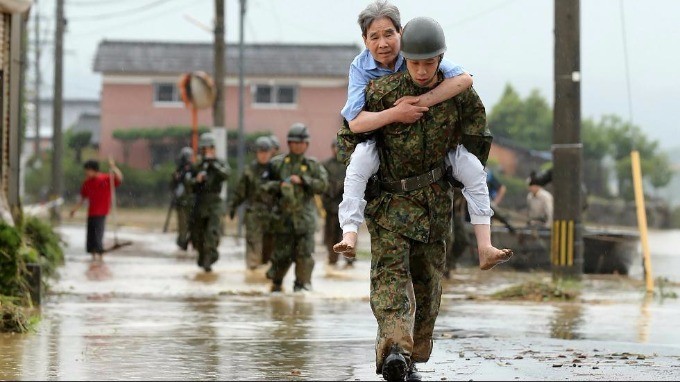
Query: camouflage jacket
(207, 193)
(249, 189)
(336, 184)
(465, 111)
(294, 209)
(407, 150)
(179, 185)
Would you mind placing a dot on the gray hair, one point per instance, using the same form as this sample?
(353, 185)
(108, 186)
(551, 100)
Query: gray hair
(376, 10)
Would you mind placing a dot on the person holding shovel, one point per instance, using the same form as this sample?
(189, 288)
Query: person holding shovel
(97, 189)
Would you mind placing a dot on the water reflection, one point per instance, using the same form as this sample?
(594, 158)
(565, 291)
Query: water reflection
(643, 322)
(567, 321)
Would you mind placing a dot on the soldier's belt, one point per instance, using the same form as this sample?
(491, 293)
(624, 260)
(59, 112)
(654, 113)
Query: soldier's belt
(415, 182)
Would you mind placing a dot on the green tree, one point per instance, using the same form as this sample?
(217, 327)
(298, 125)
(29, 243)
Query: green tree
(622, 137)
(78, 141)
(528, 122)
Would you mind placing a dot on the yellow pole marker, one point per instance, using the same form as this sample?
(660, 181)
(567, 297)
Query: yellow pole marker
(642, 218)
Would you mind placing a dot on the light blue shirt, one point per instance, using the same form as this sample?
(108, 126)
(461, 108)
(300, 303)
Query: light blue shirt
(364, 69)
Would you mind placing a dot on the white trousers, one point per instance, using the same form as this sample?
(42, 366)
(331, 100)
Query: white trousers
(364, 163)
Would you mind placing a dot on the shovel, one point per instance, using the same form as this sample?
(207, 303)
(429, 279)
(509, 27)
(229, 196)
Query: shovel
(116, 244)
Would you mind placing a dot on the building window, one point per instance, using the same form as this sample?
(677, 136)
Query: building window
(166, 92)
(275, 94)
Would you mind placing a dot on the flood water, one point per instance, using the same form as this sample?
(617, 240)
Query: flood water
(149, 313)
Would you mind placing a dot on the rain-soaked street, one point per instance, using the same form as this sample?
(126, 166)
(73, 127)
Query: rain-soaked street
(149, 313)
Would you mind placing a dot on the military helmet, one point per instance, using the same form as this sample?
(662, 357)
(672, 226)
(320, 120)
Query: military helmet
(206, 140)
(275, 141)
(298, 133)
(422, 38)
(185, 154)
(263, 144)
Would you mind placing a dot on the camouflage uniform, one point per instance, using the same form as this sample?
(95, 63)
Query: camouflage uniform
(184, 202)
(258, 205)
(458, 237)
(331, 200)
(294, 218)
(208, 210)
(409, 229)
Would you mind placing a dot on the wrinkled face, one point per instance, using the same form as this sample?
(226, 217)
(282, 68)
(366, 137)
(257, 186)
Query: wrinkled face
(298, 148)
(423, 72)
(90, 173)
(263, 156)
(383, 40)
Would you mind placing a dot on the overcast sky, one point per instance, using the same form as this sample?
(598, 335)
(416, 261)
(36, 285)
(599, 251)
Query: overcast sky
(498, 41)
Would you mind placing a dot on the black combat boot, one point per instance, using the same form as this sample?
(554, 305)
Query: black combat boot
(413, 374)
(276, 287)
(395, 367)
(299, 287)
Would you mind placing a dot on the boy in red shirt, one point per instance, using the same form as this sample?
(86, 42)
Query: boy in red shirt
(97, 190)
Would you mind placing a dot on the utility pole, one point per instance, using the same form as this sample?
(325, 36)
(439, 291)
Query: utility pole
(218, 75)
(241, 138)
(38, 79)
(57, 141)
(567, 230)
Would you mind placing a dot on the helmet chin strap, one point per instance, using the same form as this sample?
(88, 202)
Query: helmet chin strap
(441, 57)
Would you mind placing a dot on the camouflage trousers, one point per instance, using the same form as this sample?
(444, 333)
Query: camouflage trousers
(332, 234)
(267, 246)
(405, 293)
(206, 231)
(289, 249)
(458, 241)
(183, 224)
(255, 225)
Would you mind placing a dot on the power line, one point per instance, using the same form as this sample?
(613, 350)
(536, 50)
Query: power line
(91, 32)
(123, 13)
(625, 61)
(479, 14)
(95, 2)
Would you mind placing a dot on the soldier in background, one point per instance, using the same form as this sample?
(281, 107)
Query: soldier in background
(268, 240)
(183, 197)
(208, 176)
(295, 179)
(257, 202)
(331, 200)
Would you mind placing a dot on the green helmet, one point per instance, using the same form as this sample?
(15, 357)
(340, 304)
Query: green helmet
(185, 154)
(263, 144)
(206, 140)
(422, 38)
(298, 133)
(275, 141)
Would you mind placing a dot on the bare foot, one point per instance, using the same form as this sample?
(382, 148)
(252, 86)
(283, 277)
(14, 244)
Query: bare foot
(347, 246)
(491, 256)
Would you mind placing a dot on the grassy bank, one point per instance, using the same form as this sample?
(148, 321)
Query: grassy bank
(33, 241)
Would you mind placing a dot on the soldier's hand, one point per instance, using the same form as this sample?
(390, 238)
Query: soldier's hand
(407, 112)
(200, 177)
(410, 99)
(295, 179)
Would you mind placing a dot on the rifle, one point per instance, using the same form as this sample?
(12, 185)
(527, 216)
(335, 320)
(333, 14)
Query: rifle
(169, 214)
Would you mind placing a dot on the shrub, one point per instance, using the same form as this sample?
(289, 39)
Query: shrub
(40, 237)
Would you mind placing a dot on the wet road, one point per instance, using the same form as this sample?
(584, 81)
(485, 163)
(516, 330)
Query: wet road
(149, 313)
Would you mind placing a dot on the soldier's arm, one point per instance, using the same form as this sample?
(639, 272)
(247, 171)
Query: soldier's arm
(239, 195)
(318, 182)
(476, 136)
(222, 170)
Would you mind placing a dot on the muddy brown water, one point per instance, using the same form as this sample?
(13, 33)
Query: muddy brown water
(149, 313)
